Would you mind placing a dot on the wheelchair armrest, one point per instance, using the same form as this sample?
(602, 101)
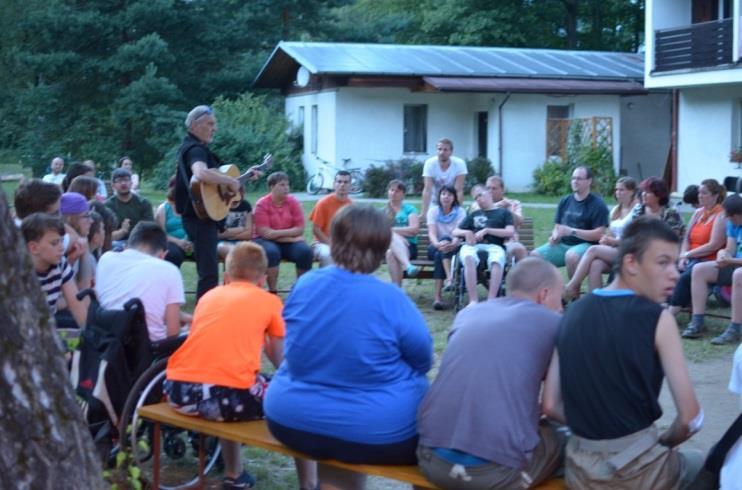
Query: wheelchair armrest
(164, 348)
(86, 292)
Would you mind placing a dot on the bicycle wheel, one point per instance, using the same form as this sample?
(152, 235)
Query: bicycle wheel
(356, 181)
(315, 182)
(179, 448)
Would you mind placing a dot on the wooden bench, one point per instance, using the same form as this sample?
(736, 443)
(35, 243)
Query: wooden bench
(525, 236)
(256, 434)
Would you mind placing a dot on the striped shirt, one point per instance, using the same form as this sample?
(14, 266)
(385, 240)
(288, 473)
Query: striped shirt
(52, 280)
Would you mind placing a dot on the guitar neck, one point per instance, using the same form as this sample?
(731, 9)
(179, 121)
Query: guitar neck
(244, 177)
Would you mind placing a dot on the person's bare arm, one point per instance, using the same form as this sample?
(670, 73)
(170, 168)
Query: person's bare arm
(670, 351)
(506, 232)
(552, 404)
(172, 319)
(212, 176)
(427, 191)
(79, 309)
(458, 184)
(319, 234)
(412, 228)
(274, 349)
(593, 235)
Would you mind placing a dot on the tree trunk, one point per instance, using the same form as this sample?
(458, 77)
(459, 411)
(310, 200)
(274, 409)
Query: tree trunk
(571, 9)
(46, 443)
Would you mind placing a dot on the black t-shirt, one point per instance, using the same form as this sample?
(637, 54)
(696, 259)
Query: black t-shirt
(190, 152)
(610, 371)
(491, 218)
(588, 214)
(236, 216)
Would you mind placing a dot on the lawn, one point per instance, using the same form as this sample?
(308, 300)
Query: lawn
(275, 471)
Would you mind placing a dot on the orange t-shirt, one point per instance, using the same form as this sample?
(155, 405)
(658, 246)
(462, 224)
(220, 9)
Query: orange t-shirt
(227, 336)
(700, 233)
(324, 211)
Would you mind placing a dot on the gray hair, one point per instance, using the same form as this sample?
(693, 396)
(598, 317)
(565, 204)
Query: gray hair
(196, 113)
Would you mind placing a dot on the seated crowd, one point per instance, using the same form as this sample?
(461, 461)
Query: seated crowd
(517, 398)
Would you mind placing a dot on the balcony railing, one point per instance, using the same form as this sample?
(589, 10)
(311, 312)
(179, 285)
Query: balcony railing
(696, 46)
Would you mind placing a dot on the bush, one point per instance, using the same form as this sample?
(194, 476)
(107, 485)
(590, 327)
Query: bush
(553, 177)
(249, 127)
(409, 171)
(478, 170)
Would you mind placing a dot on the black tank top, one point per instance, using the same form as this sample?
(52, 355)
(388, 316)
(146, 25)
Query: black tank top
(610, 372)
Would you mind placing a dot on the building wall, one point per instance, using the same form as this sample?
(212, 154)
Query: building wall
(524, 131)
(708, 129)
(366, 125)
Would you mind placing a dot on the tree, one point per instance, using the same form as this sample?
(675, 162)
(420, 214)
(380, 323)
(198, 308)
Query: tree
(46, 443)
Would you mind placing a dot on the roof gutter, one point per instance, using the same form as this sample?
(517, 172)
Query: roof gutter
(499, 135)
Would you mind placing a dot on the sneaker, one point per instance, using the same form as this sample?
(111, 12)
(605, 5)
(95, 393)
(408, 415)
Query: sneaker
(729, 336)
(693, 331)
(412, 271)
(440, 306)
(245, 480)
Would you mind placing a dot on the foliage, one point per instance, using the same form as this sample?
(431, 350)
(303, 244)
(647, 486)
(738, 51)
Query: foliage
(125, 474)
(249, 127)
(409, 171)
(613, 25)
(552, 178)
(478, 170)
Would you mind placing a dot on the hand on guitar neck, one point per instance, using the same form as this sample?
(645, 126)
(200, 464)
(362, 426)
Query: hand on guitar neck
(213, 200)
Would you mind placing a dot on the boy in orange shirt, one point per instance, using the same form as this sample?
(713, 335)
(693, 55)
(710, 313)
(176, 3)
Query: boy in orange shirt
(323, 213)
(215, 373)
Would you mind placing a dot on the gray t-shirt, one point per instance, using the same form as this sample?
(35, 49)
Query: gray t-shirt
(485, 400)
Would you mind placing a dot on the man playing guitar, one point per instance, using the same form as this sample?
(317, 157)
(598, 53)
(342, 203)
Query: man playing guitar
(195, 159)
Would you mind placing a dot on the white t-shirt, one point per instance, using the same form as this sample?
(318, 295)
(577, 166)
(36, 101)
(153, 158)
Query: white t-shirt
(618, 225)
(432, 168)
(731, 473)
(54, 179)
(121, 276)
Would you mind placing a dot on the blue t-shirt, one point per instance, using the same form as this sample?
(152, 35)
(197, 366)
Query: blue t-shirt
(356, 354)
(735, 231)
(402, 218)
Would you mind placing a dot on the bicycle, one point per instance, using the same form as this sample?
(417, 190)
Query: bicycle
(325, 176)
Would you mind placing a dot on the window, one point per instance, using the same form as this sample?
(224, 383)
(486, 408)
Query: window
(415, 128)
(315, 128)
(557, 130)
(300, 118)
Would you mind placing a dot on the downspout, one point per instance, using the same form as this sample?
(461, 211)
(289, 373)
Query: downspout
(499, 134)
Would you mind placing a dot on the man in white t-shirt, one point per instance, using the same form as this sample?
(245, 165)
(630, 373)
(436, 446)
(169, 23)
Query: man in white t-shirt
(442, 169)
(140, 272)
(56, 177)
(731, 473)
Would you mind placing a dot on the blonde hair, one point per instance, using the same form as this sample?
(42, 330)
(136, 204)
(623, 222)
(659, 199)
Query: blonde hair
(246, 261)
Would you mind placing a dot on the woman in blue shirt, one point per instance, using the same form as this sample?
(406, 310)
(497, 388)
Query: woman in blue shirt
(357, 351)
(405, 226)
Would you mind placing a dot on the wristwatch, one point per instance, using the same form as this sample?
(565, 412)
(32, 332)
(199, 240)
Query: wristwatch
(573, 232)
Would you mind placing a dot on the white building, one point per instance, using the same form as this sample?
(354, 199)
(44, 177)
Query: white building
(373, 103)
(694, 46)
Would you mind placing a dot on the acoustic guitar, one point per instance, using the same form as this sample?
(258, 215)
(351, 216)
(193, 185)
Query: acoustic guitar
(213, 201)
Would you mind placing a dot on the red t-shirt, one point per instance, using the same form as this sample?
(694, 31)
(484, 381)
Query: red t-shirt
(267, 214)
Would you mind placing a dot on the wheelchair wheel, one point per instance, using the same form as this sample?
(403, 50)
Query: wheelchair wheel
(179, 448)
(314, 185)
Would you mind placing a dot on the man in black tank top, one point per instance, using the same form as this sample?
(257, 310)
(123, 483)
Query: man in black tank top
(613, 350)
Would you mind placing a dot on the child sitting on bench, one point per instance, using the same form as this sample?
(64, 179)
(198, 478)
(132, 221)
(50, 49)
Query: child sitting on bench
(215, 374)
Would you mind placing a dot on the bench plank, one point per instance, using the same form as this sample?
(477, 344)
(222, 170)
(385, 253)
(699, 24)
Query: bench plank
(256, 434)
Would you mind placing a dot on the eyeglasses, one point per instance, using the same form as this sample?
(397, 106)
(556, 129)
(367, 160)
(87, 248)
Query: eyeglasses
(122, 179)
(207, 110)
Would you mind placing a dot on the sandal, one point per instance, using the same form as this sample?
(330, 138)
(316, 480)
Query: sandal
(440, 306)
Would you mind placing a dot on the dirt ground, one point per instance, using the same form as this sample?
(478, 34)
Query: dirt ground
(710, 379)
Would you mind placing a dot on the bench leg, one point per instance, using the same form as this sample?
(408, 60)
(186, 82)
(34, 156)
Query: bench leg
(156, 456)
(201, 460)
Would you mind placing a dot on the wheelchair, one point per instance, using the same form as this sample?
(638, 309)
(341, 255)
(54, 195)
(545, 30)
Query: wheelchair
(460, 295)
(116, 370)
